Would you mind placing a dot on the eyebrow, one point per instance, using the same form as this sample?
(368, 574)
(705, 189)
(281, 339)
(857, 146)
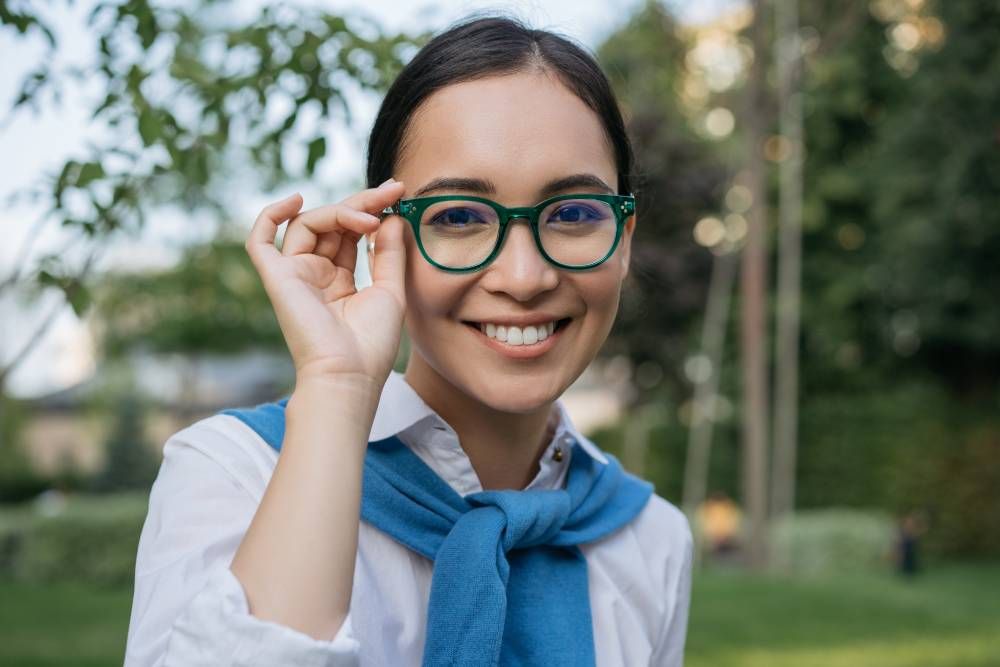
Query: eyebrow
(487, 187)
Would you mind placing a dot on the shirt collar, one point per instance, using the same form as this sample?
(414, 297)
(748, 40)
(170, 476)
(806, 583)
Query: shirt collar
(401, 412)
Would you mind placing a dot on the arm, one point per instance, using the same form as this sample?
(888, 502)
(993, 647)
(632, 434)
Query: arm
(294, 562)
(297, 559)
(188, 607)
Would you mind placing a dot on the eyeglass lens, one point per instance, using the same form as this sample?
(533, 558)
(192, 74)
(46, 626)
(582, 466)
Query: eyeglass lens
(460, 234)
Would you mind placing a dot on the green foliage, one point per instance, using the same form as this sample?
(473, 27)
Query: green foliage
(189, 96)
(680, 179)
(936, 201)
(900, 272)
(91, 539)
(18, 481)
(815, 542)
(956, 483)
(913, 447)
(211, 301)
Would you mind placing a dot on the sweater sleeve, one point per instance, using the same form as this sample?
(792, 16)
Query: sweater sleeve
(188, 607)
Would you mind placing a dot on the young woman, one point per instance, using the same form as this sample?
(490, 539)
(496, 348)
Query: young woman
(451, 514)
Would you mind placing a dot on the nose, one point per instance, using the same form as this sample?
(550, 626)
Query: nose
(520, 270)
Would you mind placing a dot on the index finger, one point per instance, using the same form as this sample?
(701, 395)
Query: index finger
(372, 200)
(265, 227)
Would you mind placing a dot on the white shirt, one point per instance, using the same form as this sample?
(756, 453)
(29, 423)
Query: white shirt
(189, 609)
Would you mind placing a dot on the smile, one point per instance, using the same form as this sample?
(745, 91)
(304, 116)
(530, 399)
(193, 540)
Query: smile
(531, 338)
(514, 335)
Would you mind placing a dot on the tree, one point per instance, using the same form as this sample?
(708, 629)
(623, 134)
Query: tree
(187, 95)
(753, 292)
(680, 179)
(211, 301)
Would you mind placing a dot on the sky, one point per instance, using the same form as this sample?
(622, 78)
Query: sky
(32, 146)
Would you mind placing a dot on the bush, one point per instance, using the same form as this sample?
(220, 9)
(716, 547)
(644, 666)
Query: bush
(832, 540)
(91, 539)
(905, 448)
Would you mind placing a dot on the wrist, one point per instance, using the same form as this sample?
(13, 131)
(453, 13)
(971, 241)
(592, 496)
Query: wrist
(340, 397)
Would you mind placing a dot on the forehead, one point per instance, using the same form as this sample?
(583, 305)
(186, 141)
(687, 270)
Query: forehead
(518, 130)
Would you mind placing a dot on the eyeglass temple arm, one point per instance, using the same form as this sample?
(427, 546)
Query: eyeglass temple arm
(627, 207)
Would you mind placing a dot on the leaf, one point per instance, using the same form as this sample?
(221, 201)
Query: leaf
(78, 296)
(89, 172)
(317, 149)
(150, 127)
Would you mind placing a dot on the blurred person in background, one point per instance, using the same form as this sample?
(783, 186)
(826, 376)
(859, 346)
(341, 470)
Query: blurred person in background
(719, 520)
(910, 528)
(451, 514)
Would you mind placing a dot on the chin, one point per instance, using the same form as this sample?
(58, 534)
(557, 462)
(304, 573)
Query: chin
(516, 394)
(517, 403)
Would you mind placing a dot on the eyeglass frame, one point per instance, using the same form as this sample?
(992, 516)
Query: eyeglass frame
(412, 209)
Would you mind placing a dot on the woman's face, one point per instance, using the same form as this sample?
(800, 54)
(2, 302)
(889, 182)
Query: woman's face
(517, 132)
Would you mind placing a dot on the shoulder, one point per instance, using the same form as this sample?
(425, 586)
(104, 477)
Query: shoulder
(220, 445)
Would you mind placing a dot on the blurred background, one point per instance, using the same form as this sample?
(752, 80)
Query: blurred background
(807, 358)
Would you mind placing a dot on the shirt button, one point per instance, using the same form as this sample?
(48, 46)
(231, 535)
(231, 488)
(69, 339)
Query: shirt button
(557, 454)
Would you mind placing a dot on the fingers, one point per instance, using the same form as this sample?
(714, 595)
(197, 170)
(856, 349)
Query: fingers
(353, 215)
(389, 265)
(374, 200)
(260, 242)
(305, 229)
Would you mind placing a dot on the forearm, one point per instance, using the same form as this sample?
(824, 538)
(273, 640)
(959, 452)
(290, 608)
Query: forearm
(296, 560)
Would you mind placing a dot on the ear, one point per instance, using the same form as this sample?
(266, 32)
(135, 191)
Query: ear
(626, 244)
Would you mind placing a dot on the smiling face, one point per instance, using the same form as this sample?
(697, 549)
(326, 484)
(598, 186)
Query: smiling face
(517, 133)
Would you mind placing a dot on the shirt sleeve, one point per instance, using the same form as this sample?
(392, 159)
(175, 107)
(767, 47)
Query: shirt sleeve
(188, 607)
(669, 650)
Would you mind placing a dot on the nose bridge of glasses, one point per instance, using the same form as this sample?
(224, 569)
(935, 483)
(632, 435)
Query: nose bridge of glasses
(525, 212)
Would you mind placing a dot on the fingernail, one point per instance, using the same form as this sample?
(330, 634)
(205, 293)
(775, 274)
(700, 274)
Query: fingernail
(291, 196)
(391, 180)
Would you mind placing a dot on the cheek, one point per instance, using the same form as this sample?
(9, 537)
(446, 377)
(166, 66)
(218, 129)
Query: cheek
(601, 291)
(430, 294)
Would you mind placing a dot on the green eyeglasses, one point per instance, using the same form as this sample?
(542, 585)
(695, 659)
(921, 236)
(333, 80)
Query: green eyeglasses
(461, 233)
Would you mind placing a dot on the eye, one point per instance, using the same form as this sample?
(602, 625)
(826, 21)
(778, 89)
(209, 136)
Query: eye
(456, 216)
(576, 213)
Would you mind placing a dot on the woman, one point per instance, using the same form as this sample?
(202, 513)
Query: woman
(491, 531)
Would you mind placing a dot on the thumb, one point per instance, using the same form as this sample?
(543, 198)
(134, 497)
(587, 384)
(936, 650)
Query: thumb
(389, 265)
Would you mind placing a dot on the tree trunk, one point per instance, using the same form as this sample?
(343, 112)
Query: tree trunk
(754, 304)
(713, 337)
(789, 65)
(636, 440)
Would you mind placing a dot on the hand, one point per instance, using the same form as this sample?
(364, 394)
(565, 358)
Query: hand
(332, 330)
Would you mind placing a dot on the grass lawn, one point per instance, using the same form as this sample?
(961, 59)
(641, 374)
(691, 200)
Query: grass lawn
(949, 617)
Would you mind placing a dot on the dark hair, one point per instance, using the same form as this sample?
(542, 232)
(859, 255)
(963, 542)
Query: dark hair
(478, 47)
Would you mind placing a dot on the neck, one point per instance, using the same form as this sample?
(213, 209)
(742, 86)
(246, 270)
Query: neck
(503, 447)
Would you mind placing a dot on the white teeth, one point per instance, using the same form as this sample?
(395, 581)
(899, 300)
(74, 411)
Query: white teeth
(526, 335)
